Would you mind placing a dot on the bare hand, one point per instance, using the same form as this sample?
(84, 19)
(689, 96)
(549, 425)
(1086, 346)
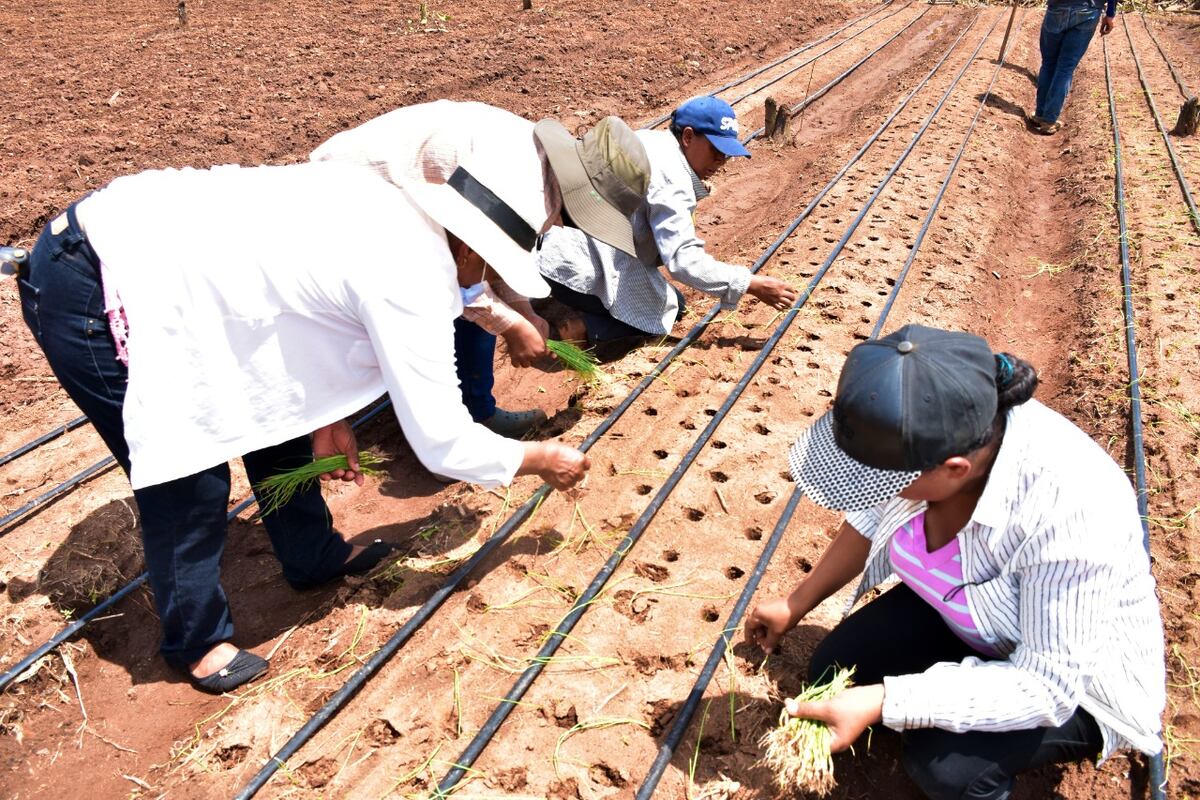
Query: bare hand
(558, 465)
(767, 622)
(847, 715)
(525, 344)
(539, 324)
(1106, 25)
(772, 291)
(338, 439)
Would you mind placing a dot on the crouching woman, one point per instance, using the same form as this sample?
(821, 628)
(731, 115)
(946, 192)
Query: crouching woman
(1024, 629)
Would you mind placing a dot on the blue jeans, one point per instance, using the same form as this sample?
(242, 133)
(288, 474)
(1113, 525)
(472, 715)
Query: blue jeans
(1066, 32)
(900, 634)
(474, 358)
(184, 520)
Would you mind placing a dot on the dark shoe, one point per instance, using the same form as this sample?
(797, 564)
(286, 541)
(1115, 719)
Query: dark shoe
(241, 669)
(514, 424)
(361, 564)
(368, 559)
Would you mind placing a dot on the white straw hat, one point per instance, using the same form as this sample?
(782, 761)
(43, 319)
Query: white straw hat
(495, 202)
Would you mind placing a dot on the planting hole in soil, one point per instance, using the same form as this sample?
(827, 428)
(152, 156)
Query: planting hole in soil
(733, 573)
(718, 444)
(694, 514)
(660, 453)
(718, 476)
(670, 555)
(754, 534)
(644, 489)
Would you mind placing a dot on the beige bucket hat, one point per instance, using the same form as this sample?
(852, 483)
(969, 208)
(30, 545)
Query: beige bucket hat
(603, 176)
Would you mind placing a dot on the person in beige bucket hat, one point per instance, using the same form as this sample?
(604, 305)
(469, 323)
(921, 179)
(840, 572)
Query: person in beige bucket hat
(496, 182)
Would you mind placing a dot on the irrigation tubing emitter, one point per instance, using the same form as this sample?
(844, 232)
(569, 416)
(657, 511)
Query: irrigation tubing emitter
(1174, 73)
(584, 601)
(41, 440)
(103, 465)
(66, 633)
(654, 123)
(688, 710)
(725, 643)
(819, 93)
(1158, 775)
(1193, 215)
(393, 645)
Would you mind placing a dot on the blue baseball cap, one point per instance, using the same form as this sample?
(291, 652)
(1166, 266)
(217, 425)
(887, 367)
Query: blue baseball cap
(715, 119)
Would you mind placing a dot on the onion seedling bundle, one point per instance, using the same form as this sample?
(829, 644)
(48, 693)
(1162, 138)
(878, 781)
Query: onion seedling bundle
(275, 492)
(582, 362)
(798, 750)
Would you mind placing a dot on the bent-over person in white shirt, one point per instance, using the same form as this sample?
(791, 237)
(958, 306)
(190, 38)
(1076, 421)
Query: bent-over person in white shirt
(598, 180)
(201, 315)
(1024, 629)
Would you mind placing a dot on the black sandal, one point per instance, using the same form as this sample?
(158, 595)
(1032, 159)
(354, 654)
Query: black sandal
(242, 668)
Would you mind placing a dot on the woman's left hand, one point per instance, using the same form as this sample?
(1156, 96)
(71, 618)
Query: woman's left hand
(338, 439)
(847, 715)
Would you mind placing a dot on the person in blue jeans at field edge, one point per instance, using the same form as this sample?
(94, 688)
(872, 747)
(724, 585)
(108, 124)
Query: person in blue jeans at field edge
(1067, 29)
(597, 182)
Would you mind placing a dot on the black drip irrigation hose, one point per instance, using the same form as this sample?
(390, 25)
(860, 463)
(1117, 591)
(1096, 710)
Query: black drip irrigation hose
(1174, 74)
(41, 440)
(435, 601)
(654, 123)
(1193, 215)
(793, 70)
(724, 643)
(1158, 774)
(819, 93)
(583, 603)
(103, 465)
(66, 633)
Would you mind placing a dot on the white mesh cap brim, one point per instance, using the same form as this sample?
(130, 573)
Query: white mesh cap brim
(832, 479)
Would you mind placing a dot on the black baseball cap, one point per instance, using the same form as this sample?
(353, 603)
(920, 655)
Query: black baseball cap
(905, 403)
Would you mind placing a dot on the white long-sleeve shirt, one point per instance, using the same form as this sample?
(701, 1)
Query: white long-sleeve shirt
(1057, 580)
(633, 289)
(266, 302)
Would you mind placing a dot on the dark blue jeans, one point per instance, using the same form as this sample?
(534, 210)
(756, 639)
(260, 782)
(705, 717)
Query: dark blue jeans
(901, 634)
(1067, 29)
(474, 355)
(183, 521)
(601, 325)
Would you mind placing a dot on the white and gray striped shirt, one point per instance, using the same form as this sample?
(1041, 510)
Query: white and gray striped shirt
(1059, 583)
(632, 288)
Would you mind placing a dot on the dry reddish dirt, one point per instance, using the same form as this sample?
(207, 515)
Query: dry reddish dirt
(1022, 250)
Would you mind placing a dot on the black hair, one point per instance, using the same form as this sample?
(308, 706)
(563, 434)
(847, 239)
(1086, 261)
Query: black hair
(676, 129)
(1016, 381)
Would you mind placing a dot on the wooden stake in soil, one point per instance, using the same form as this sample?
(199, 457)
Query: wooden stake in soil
(777, 119)
(1004, 44)
(1189, 118)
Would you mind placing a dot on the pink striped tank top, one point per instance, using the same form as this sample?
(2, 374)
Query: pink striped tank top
(937, 578)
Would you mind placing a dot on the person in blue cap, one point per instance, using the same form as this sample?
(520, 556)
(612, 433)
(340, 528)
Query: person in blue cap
(618, 300)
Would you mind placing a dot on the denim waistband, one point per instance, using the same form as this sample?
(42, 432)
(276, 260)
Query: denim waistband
(75, 237)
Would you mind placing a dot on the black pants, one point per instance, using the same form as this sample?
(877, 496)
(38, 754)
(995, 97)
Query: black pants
(901, 634)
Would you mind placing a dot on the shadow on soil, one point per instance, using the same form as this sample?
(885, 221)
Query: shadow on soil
(872, 770)
(1003, 105)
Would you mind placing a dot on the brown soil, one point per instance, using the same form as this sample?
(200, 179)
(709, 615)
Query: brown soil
(1022, 250)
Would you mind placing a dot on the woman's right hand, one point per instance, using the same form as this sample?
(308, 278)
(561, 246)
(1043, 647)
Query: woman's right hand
(768, 621)
(557, 464)
(525, 343)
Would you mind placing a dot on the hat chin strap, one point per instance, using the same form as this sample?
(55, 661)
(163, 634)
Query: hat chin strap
(495, 209)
